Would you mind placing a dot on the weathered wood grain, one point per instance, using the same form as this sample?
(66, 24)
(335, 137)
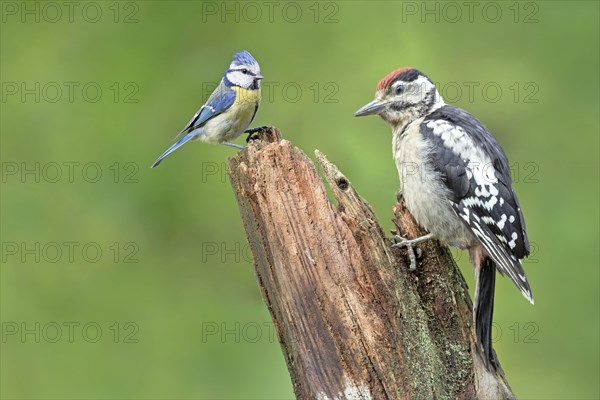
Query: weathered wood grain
(352, 321)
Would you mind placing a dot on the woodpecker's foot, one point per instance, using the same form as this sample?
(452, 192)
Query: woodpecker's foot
(409, 244)
(237, 146)
(252, 133)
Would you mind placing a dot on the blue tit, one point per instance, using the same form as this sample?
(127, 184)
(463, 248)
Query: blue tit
(230, 108)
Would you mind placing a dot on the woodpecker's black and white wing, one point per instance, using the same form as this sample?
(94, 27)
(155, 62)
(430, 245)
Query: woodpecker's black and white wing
(476, 172)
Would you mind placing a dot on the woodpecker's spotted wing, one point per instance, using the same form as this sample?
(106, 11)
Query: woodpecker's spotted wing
(475, 170)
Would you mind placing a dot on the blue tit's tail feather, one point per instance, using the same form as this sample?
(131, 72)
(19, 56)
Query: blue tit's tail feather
(177, 145)
(484, 307)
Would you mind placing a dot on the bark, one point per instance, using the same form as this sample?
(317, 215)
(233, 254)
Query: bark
(352, 320)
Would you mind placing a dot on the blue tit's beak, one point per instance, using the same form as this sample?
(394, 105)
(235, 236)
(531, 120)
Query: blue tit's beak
(258, 76)
(373, 107)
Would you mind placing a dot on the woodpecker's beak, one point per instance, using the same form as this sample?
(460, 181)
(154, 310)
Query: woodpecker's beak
(373, 107)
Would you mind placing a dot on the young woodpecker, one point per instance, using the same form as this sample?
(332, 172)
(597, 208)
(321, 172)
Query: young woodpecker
(456, 182)
(230, 108)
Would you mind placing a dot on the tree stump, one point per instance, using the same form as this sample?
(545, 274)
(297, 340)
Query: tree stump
(352, 320)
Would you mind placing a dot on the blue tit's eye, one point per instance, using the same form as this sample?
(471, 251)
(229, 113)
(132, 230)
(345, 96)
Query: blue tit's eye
(244, 71)
(399, 89)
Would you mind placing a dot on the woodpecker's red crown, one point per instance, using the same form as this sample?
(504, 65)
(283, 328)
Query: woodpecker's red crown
(399, 74)
(401, 96)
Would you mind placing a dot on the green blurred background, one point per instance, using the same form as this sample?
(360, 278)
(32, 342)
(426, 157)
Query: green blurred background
(158, 298)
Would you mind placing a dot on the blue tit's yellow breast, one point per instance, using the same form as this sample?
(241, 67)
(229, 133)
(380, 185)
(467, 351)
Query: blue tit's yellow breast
(246, 97)
(244, 107)
(236, 119)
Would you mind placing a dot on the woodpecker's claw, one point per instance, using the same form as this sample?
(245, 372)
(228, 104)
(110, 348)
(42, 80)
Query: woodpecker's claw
(403, 242)
(409, 244)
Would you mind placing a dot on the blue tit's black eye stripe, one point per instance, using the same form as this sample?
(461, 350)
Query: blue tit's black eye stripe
(242, 70)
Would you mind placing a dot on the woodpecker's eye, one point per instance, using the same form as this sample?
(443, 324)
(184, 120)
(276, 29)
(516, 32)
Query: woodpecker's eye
(244, 71)
(399, 89)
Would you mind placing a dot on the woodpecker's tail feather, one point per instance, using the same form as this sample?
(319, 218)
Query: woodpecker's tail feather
(174, 147)
(483, 307)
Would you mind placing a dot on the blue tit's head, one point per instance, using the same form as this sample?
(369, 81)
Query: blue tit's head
(244, 71)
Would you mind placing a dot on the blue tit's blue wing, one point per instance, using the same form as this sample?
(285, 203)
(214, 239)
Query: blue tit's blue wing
(219, 101)
(174, 147)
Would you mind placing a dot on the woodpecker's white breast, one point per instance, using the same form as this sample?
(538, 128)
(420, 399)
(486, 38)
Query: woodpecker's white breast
(423, 189)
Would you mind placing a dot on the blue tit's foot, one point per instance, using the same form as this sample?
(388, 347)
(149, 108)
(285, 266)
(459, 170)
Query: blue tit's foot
(252, 133)
(237, 146)
(409, 244)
